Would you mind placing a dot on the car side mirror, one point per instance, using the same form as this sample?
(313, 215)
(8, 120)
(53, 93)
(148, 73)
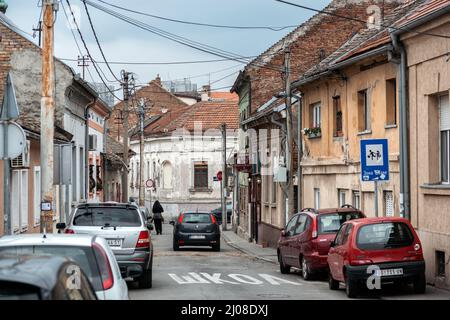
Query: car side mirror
(150, 226)
(172, 222)
(283, 233)
(61, 225)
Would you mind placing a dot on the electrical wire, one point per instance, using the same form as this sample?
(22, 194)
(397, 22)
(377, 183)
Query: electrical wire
(360, 20)
(181, 40)
(272, 28)
(98, 42)
(87, 50)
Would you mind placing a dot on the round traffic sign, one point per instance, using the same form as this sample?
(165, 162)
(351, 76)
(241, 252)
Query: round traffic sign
(149, 183)
(219, 175)
(16, 142)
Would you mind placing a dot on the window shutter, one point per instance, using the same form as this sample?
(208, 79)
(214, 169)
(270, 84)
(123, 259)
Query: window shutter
(444, 113)
(24, 200)
(389, 204)
(15, 202)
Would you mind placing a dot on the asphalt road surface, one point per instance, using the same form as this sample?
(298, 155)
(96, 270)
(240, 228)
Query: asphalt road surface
(198, 273)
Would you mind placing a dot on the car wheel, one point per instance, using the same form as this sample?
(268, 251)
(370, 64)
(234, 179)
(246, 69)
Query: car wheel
(333, 284)
(351, 288)
(216, 247)
(284, 269)
(306, 274)
(420, 284)
(145, 281)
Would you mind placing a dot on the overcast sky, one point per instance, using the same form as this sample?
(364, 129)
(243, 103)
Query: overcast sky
(126, 43)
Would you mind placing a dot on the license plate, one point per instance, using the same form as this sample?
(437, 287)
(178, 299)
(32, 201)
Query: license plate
(197, 237)
(389, 272)
(114, 242)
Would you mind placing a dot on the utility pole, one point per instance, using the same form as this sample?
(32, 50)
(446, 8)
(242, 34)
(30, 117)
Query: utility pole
(83, 61)
(290, 203)
(299, 153)
(141, 154)
(224, 184)
(47, 117)
(126, 93)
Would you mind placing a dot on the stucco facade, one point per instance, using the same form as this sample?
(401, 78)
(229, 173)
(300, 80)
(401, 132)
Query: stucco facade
(429, 80)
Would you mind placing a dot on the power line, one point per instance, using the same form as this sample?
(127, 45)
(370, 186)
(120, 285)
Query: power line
(87, 50)
(181, 40)
(98, 42)
(272, 28)
(360, 20)
(162, 63)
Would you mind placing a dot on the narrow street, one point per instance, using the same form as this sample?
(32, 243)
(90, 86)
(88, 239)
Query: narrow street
(181, 275)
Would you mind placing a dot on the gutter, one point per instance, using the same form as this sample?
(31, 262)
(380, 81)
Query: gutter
(359, 57)
(403, 129)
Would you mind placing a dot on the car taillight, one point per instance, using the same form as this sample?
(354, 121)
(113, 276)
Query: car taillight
(143, 240)
(104, 266)
(360, 262)
(213, 219)
(69, 231)
(180, 218)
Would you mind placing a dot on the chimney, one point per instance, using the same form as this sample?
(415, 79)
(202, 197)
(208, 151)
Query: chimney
(158, 79)
(206, 92)
(3, 6)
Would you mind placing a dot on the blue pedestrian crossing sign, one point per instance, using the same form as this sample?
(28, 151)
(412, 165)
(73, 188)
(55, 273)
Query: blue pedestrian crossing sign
(374, 160)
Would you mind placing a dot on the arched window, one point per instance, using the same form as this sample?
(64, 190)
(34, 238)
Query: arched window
(167, 175)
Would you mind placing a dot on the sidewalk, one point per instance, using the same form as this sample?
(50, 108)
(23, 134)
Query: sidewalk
(250, 249)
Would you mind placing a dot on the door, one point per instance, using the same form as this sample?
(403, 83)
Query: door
(298, 239)
(333, 259)
(285, 248)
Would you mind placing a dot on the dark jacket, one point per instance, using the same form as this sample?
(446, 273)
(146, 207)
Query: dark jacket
(157, 210)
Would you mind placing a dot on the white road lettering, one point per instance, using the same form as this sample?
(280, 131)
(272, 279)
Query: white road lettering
(245, 279)
(186, 279)
(198, 278)
(276, 280)
(215, 278)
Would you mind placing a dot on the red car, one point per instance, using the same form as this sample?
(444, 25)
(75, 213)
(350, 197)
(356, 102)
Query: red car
(382, 249)
(305, 241)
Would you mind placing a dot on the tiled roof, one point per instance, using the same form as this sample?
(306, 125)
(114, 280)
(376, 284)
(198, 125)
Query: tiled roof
(33, 124)
(115, 147)
(223, 96)
(421, 11)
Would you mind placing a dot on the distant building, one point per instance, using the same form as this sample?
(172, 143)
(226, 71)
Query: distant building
(105, 93)
(178, 86)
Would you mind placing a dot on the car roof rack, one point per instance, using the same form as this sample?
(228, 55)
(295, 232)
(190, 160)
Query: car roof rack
(310, 210)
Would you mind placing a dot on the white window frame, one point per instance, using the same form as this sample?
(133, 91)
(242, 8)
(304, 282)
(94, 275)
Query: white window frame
(317, 120)
(37, 196)
(356, 199)
(19, 201)
(446, 130)
(341, 197)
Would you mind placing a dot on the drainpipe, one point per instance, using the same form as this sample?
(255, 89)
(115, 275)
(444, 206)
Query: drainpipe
(403, 128)
(86, 148)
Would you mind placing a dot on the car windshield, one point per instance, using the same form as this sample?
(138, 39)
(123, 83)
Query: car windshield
(384, 235)
(197, 218)
(331, 223)
(107, 217)
(83, 256)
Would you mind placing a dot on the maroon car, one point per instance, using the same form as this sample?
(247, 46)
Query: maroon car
(305, 241)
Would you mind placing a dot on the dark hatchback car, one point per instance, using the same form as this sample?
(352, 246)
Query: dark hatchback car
(43, 278)
(305, 241)
(196, 229)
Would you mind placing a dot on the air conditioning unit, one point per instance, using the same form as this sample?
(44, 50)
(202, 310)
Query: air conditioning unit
(92, 142)
(23, 160)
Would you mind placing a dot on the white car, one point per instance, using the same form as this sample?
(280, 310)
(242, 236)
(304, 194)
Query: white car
(92, 253)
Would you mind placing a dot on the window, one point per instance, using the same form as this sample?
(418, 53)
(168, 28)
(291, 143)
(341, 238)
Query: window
(274, 191)
(340, 236)
(363, 111)
(37, 196)
(391, 102)
(379, 236)
(19, 201)
(444, 126)
(337, 116)
(388, 201)
(341, 196)
(301, 225)
(356, 200)
(74, 173)
(316, 198)
(316, 117)
(440, 263)
(290, 227)
(201, 175)
(347, 234)
(81, 173)
(167, 175)
(330, 223)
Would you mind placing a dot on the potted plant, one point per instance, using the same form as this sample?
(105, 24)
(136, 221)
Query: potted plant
(312, 132)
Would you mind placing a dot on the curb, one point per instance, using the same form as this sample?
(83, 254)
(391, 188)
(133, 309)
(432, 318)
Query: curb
(227, 240)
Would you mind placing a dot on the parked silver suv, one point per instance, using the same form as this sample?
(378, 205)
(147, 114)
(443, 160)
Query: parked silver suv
(126, 231)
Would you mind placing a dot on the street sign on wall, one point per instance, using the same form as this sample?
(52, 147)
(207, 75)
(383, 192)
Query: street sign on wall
(16, 141)
(374, 160)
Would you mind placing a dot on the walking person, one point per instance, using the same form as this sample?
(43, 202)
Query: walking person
(157, 216)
